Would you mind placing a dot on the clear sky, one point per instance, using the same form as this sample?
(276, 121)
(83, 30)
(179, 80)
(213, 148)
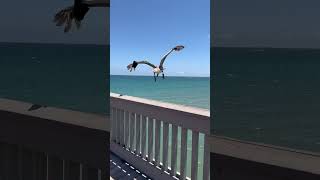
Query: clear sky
(31, 21)
(275, 23)
(147, 29)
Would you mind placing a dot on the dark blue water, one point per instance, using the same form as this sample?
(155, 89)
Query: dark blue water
(68, 76)
(267, 95)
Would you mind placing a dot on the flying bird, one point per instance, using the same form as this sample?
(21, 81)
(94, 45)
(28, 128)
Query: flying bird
(77, 12)
(156, 69)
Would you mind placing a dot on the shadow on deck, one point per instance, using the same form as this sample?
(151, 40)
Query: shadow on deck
(120, 169)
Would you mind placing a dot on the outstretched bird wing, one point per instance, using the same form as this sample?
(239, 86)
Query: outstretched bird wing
(177, 48)
(135, 64)
(73, 13)
(97, 3)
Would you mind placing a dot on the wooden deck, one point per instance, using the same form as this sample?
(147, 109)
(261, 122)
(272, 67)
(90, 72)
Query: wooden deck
(121, 170)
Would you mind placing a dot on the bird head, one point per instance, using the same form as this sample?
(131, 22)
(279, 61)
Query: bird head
(132, 66)
(178, 48)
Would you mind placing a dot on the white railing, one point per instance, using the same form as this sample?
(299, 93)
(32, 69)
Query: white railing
(140, 131)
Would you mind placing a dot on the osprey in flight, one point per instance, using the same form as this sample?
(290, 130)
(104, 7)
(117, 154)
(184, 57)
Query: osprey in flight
(156, 69)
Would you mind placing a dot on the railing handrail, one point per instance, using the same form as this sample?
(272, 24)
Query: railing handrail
(60, 140)
(267, 154)
(193, 118)
(83, 119)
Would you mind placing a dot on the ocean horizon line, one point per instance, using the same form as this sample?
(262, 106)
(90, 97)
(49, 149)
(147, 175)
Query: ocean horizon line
(268, 47)
(166, 76)
(54, 43)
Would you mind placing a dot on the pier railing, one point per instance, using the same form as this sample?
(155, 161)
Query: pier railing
(50, 143)
(236, 159)
(140, 135)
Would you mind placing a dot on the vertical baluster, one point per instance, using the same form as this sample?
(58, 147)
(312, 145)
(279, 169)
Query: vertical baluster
(113, 129)
(194, 160)
(165, 145)
(127, 114)
(8, 159)
(111, 124)
(124, 140)
(42, 166)
(115, 120)
(89, 173)
(206, 159)
(104, 174)
(55, 169)
(20, 162)
(138, 121)
(183, 160)
(150, 140)
(2, 162)
(144, 137)
(27, 169)
(81, 171)
(157, 142)
(174, 150)
(121, 127)
(132, 129)
(118, 126)
(34, 165)
(99, 174)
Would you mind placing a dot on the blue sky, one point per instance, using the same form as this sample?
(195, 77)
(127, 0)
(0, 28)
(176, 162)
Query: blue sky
(147, 29)
(271, 23)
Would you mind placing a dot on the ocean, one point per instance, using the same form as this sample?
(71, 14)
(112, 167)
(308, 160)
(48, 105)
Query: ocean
(191, 91)
(59, 75)
(267, 95)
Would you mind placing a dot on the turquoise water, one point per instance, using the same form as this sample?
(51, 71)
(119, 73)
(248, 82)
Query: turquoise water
(191, 91)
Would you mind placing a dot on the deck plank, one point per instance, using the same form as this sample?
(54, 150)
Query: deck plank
(121, 170)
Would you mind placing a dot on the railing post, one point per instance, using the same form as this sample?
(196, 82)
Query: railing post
(206, 158)
(127, 135)
(194, 160)
(121, 127)
(144, 136)
(132, 131)
(118, 126)
(165, 145)
(157, 143)
(174, 150)
(113, 116)
(150, 139)
(55, 168)
(138, 144)
(183, 160)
